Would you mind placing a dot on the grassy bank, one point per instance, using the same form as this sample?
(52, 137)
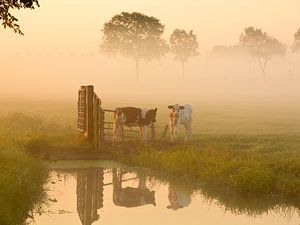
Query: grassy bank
(22, 177)
(21, 182)
(254, 165)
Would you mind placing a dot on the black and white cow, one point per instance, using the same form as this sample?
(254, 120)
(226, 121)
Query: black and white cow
(180, 115)
(133, 117)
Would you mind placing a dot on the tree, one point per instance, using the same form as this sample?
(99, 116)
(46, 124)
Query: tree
(184, 45)
(8, 20)
(296, 46)
(261, 46)
(134, 35)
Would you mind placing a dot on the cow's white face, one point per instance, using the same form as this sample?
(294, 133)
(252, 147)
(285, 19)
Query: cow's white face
(175, 112)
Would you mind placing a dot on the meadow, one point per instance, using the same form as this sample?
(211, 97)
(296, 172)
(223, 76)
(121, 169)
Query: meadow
(243, 149)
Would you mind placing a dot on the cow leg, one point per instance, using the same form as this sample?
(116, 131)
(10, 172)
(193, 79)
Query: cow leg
(145, 133)
(153, 132)
(115, 132)
(190, 131)
(171, 127)
(142, 132)
(175, 133)
(186, 137)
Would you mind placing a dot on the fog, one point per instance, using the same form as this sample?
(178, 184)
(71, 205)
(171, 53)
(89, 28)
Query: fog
(60, 52)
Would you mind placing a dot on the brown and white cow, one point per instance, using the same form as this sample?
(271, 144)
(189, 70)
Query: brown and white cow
(133, 117)
(180, 115)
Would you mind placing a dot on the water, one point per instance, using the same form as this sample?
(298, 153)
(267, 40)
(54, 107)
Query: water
(85, 193)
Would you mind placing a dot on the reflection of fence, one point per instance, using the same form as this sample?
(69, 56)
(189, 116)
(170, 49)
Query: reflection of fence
(96, 124)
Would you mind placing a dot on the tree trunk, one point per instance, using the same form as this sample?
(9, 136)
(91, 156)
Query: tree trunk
(262, 66)
(137, 68)
(182, 63)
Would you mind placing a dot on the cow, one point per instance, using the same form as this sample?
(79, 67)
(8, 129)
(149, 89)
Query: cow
(180, 115)
(132, 117)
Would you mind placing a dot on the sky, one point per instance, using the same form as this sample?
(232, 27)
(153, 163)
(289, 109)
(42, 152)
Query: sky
(73, 25)
(60, 49)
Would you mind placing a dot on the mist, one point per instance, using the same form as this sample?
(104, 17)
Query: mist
(58, 55)
(208, 78)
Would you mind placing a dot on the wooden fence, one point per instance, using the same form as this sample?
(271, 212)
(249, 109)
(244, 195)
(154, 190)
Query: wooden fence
(90, 116)
(96, 123)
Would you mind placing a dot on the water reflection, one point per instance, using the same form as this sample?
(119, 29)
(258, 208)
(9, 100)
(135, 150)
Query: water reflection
(113, 196)
(178, 197)
(131, 196)
(89, 191)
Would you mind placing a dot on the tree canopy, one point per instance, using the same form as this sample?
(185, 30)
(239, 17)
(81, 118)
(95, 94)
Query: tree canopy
(296, 46)
(261, 46)
(7, 19)
(134, 35)
(184, 45)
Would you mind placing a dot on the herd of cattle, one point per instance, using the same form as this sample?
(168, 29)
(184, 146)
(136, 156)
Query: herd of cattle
(143, 118)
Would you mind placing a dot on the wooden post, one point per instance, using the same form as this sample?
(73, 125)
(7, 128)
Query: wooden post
(165, 131)
(89, 112)
(96, 102)
(81, 123)
(101, 128)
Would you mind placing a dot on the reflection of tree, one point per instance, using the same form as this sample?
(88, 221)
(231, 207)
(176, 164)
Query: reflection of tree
(89, 195)
(130, 196)
(178, 197)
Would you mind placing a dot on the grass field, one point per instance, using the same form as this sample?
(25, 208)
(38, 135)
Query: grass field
(245, 149)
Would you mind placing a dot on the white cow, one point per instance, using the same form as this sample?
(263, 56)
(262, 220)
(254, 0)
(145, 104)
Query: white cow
(180, 115)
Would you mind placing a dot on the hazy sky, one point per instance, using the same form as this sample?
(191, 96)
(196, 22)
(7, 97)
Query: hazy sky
(75, 25)
(51, 60)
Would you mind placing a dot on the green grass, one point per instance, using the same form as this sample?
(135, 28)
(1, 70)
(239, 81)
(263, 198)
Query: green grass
(244, 150)
(21, 177)
(21, 182)
(240, 164)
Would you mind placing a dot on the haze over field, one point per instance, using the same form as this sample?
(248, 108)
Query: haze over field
(60, 52)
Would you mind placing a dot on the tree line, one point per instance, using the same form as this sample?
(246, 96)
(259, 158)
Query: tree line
(139, 36)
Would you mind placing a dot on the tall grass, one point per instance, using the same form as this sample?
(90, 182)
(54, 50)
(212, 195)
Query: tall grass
(237, 164)
(21, 182)
(21, 176)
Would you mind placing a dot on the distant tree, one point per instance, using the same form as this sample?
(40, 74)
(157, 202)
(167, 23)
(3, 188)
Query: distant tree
(134, 35)
(184, 45)
(261, 46)
(7, 19)
(296, 46)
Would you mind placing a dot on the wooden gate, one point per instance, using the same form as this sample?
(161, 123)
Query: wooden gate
(90, 117)
(96, 123)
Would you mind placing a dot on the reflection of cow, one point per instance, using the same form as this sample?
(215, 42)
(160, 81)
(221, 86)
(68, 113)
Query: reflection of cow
(129, 196)
(133, 117)
(180, 115)
(178, 198)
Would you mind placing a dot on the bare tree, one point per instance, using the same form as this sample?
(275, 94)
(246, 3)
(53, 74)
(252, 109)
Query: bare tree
(184, 45)
(134, 35)
(261, 46)
(8, 20)
(296, 47)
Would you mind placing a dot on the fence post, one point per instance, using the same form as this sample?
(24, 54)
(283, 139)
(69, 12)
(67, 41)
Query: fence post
(89, 112)
(101, 128)
(96, 102)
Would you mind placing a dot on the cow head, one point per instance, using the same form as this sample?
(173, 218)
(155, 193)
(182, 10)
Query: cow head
(151, 115)
(175, 111)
